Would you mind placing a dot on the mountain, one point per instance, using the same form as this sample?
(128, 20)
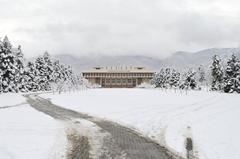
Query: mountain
(179, 59)
(88, 62)
(203, 57)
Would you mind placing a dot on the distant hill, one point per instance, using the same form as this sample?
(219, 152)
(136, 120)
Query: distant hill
(87, 62)
(178, 59)
(203, 57)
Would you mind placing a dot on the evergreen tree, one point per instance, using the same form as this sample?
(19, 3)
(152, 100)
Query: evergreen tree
(189, 80)
(48, 66)
(8, 67)
(20, 80)
(56, 71)
(39, 75)
(201, 75)
(31, 77)
(167, 77)
(232, 75)
(44, 67)
(42, 80)
(217, 73)
(159, 79)
(174, 79)
(1, 69)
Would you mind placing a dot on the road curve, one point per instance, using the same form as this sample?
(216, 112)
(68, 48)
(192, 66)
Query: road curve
(130, 142)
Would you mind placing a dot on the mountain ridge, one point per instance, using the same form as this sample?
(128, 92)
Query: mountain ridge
(180, 59)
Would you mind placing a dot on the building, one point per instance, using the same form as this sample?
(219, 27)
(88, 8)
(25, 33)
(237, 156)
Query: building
(118, 77)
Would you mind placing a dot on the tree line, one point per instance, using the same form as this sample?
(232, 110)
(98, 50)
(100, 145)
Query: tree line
(223, 77)
(41, 74)
(172, 78)
(46, 74)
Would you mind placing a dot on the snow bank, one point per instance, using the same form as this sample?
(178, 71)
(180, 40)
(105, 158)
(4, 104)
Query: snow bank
(26, 133)
(10, 99)
(165, 116)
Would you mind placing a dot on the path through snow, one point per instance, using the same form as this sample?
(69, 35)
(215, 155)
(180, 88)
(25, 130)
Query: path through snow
(114, 141)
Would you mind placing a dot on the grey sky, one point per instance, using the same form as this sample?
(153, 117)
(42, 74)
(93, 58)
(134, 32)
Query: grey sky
(119, 27)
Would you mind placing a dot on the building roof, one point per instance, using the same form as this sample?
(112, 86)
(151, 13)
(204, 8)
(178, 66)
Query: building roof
(120, 69)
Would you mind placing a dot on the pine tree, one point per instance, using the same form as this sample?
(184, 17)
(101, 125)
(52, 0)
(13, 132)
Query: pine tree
(40, 68)
(189, 80)
(217, 73)
(39, 75)
(174, 79)
(56, 71)
(159, 79)
(20, 81)
(48, 66)
(8, 67)
(167, 77)
(44, 67)
(201, 75)
(1, 69)
(31, 77)
(232, 75)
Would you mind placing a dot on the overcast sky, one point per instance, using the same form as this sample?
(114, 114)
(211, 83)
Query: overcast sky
(120, 27)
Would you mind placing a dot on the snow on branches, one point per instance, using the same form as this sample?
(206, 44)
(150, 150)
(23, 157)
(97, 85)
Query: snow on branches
(42, 74)
(171, 78)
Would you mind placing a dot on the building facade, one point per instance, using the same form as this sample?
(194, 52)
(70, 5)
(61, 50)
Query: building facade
(118, 77)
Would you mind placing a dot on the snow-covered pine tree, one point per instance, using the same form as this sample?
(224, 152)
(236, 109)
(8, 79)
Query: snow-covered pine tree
(20, 80)
(69, 78)
(56, 71)
(201, 75)
(60, 76)
(167, 78)
(8, 67)
(31, 77)
(36, 76)
(162, 78)
(1, 69)
(42, 82)
(216, 73)
(174, 79)
(189, 80)
(49, 66)
(232, 75)
(44, 67)
(158, 79)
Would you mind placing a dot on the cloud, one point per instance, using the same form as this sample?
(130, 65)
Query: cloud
(149, 27)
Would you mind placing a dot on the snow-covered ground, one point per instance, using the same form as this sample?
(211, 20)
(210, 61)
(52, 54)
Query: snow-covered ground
(26, 133)
(11, 99)
(166, 115)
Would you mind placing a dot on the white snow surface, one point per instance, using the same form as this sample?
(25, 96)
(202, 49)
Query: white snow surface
(11, 99)
(26, 133)
(164, 115)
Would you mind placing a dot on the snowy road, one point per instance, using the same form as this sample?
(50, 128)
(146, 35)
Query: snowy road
(116, 141)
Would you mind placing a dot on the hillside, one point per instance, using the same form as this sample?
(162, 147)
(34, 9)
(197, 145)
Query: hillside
(178, 59)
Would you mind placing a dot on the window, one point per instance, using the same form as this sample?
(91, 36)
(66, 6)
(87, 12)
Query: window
(97, 80)
(103, 81)
(118, 80)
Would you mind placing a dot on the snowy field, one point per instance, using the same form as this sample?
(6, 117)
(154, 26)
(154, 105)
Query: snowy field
(26, 133)
(166, 115)
(11, 99)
